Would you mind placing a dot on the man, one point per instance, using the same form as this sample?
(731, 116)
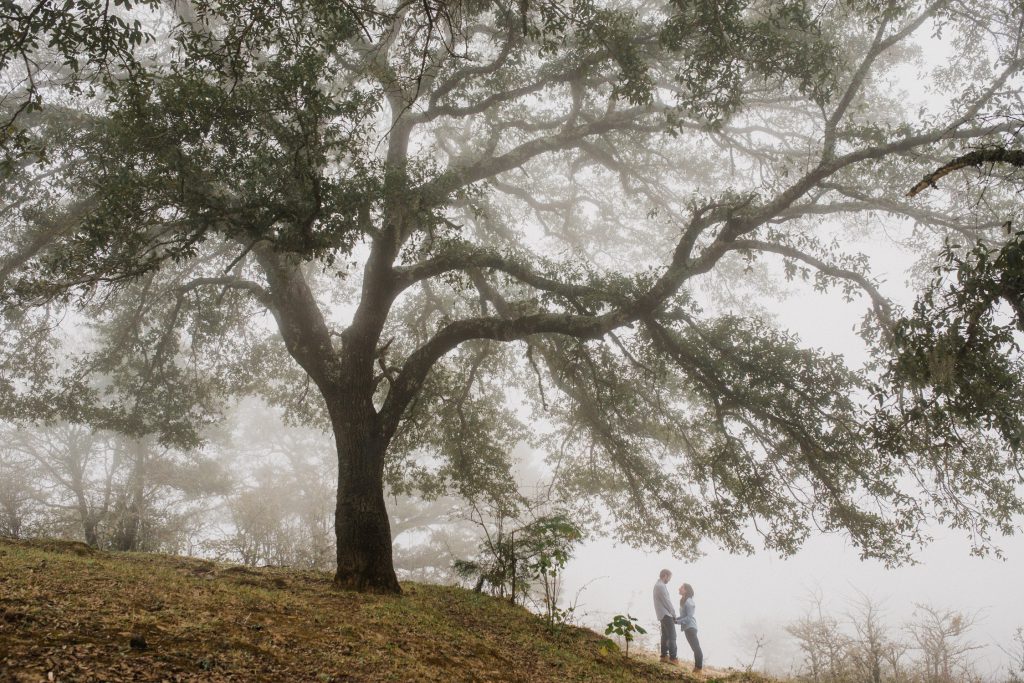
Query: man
(666, 612)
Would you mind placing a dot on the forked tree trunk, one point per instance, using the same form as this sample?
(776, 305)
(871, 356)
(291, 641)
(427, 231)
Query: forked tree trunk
(345, 380)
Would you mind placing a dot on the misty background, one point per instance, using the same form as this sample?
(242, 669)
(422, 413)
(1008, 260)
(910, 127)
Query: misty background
(261, 487)
(261, 491)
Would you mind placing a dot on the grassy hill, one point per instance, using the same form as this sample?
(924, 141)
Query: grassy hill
(71, 613)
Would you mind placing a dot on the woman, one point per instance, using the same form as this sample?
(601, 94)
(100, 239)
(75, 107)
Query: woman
(688, 623)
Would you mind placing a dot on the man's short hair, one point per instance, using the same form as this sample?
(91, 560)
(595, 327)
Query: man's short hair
(665, 573)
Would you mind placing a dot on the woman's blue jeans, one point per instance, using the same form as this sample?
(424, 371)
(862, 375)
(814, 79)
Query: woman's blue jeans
(698, 656)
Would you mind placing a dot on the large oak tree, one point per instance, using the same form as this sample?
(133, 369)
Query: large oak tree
(434, 200)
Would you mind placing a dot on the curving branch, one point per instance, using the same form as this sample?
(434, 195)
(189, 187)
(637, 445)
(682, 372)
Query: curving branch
(879, 45)
(993, 155)
(464, 73)
(468, 258)
(436, 191)
(230, 282)
(881, 305)
(736, 219)
(749, 220)
(905, 209)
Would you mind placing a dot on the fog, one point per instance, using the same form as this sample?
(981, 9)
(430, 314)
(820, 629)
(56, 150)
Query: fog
(740, 599)
(743, 600)
(536, 301)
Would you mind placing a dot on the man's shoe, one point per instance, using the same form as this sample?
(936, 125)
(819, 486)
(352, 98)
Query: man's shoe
(673, 661)
(664, 658)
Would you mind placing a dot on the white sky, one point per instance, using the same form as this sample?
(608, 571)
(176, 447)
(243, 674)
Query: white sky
(740, 597)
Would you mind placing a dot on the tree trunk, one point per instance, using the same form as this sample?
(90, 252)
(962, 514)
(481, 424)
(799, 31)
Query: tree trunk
(129, 533)
(365, 561)
(345, 380)
(92, 537)
(13, 518)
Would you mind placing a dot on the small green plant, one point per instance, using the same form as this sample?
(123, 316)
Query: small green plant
(524, 556)
(626, 627)
(557, 617)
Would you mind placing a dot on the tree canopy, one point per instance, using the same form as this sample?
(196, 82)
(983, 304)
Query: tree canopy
(384, 216)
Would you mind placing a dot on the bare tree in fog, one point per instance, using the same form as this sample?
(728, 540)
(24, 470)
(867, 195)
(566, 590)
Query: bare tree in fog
(1016, 654)
(941, 636)
(825, 646)
(863, 647)
(18, 493)
(81, 465)
(875, 655)
(430, 203)
(101, 487)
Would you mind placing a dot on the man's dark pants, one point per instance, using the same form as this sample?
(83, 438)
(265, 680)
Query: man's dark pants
(668, 637)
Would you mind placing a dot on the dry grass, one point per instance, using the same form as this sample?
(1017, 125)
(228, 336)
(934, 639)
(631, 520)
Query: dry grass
(70, 613)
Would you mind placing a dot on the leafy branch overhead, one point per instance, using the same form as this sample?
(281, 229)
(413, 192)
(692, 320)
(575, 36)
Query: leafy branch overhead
(385, 216)
(957, 356)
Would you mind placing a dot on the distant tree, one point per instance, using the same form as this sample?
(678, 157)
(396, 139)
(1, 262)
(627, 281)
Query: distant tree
(429, 535)
(762, 645)
(856, 648)
(825, 647)
(267, 531)
(940, 635)
(123, 409)
(430, 201)
(1016, 654)
(106, 489)
(18, 493)
(873, 653)
(278, 511)
(80, 465)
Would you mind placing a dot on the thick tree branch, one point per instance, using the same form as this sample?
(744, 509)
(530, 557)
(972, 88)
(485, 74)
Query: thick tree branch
(299, 319)
(467, 257)
(437, 191)
(254, 288)
(737, 220)
(995, 155)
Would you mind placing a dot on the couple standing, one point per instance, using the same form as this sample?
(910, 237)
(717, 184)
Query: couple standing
(666, 612)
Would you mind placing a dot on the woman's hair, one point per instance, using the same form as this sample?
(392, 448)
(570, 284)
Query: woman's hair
(689, 590)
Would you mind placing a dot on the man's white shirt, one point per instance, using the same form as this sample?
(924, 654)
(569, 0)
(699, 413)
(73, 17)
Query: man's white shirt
(663, 605)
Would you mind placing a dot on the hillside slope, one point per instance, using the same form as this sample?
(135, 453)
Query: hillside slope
(70, 613)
